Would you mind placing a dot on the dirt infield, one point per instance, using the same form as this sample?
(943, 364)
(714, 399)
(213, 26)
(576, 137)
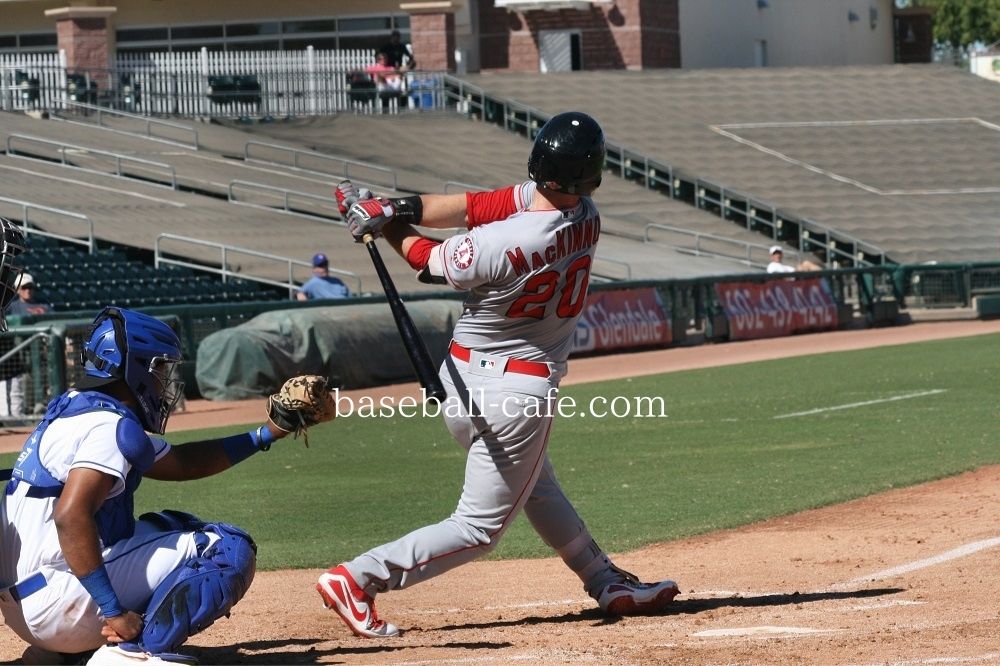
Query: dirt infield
(908, 576)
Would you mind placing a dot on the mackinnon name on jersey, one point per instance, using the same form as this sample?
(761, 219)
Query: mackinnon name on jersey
(569, 240)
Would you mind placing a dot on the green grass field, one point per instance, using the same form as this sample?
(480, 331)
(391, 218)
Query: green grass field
(720, 459)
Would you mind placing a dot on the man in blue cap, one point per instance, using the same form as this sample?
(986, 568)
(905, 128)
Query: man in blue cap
(322, 284)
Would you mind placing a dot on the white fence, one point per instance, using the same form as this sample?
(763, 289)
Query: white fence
(204, 83)
(31, 81)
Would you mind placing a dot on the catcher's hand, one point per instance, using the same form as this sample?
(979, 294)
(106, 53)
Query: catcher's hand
(301, 402)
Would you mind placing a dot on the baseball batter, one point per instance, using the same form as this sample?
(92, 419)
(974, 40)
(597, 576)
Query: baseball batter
(525, 262)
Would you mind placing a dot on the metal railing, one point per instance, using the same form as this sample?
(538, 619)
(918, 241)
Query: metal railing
(346, 163)
(148, 124)
(26, 222)
(286, 198)
(946, 285)
(632, 165)
(604, 275)
(119, 160)
(453, 185)
(857, 292)
(703, 244)
(833, 247)
(225, 251)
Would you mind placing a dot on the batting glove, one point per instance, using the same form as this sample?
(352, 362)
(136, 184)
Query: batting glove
(369, 217)
(347, 194)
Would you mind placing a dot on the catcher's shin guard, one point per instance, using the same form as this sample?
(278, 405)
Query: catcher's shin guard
(201, 591)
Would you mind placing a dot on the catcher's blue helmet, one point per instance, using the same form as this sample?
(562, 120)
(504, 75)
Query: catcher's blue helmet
(141, 351)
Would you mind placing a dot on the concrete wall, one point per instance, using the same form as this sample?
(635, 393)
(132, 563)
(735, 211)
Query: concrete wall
(630, 34)
(28, 15)
(18, 16)
(986, 66)
(724, 33)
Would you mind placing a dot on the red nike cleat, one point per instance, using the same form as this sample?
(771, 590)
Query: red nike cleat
(352, 604)
(628, 596)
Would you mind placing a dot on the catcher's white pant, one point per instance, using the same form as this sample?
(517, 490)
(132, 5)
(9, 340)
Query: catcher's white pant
(507, 468)
(62, 616)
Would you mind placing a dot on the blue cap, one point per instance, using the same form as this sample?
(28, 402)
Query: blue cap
(319, 259)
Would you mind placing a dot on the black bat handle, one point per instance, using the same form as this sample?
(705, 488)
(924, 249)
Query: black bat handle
(412, 342)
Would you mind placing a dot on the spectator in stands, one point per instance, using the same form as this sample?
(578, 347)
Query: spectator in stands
(398, 54)
(11, 379)
(776, 266)
(322, 284)
(14, 378)
(388, 80)
(26, 303)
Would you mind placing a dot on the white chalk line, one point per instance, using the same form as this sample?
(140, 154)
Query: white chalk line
(954, 553)
(475, 660)
(989, 656)
(723, 130)
(791, 160)
(852, 405)
(765, 631)
(884, 604)
(858, 123)
(505, 607)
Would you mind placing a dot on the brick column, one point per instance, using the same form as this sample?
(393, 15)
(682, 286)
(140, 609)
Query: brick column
(87, 36)
(627, 34)
(432, 33)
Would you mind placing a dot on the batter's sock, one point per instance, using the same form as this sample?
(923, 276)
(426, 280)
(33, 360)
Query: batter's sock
(589, 562)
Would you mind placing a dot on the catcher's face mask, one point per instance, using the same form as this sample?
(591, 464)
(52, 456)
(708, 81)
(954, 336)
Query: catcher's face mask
(11, 245)
(170, 388)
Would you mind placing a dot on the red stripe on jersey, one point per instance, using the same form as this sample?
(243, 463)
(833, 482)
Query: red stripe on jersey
(420, 253)
(485, 207)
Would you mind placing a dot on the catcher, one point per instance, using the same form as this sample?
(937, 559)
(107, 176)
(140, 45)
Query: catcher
(79, 573)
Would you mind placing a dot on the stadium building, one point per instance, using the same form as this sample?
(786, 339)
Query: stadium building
(484, 35)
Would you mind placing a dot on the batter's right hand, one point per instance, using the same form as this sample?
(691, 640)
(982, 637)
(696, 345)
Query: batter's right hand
(369, 217)
(347, 194)
(124, 627)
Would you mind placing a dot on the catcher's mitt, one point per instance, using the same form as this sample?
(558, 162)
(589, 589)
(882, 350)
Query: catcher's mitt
(301, 402)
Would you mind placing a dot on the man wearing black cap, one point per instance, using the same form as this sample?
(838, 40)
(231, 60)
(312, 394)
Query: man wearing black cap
(322, 284)
(398, 54)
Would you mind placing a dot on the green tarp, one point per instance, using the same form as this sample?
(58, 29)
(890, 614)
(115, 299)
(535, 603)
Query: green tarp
(356, 346)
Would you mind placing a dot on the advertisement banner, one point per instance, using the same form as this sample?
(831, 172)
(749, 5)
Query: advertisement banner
(622, 319)
(777, 308)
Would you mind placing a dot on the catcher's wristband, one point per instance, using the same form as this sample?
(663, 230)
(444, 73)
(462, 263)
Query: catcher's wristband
(240, 447)
(98, 586)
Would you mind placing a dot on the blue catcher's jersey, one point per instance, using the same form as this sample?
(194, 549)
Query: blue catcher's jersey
(79, 430)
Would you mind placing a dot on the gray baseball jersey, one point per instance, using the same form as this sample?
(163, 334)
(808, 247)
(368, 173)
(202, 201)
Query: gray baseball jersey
(527, 278)
(527, 273)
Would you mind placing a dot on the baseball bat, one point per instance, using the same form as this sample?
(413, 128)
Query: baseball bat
(412, 342)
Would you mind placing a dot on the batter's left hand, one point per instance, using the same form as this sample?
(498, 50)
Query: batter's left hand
(369, 217)
(124, 627)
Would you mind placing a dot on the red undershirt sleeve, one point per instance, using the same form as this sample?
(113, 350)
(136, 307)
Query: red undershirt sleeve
(485, 207)
(420, 252)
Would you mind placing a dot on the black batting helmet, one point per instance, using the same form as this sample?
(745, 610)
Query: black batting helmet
(568, 155)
